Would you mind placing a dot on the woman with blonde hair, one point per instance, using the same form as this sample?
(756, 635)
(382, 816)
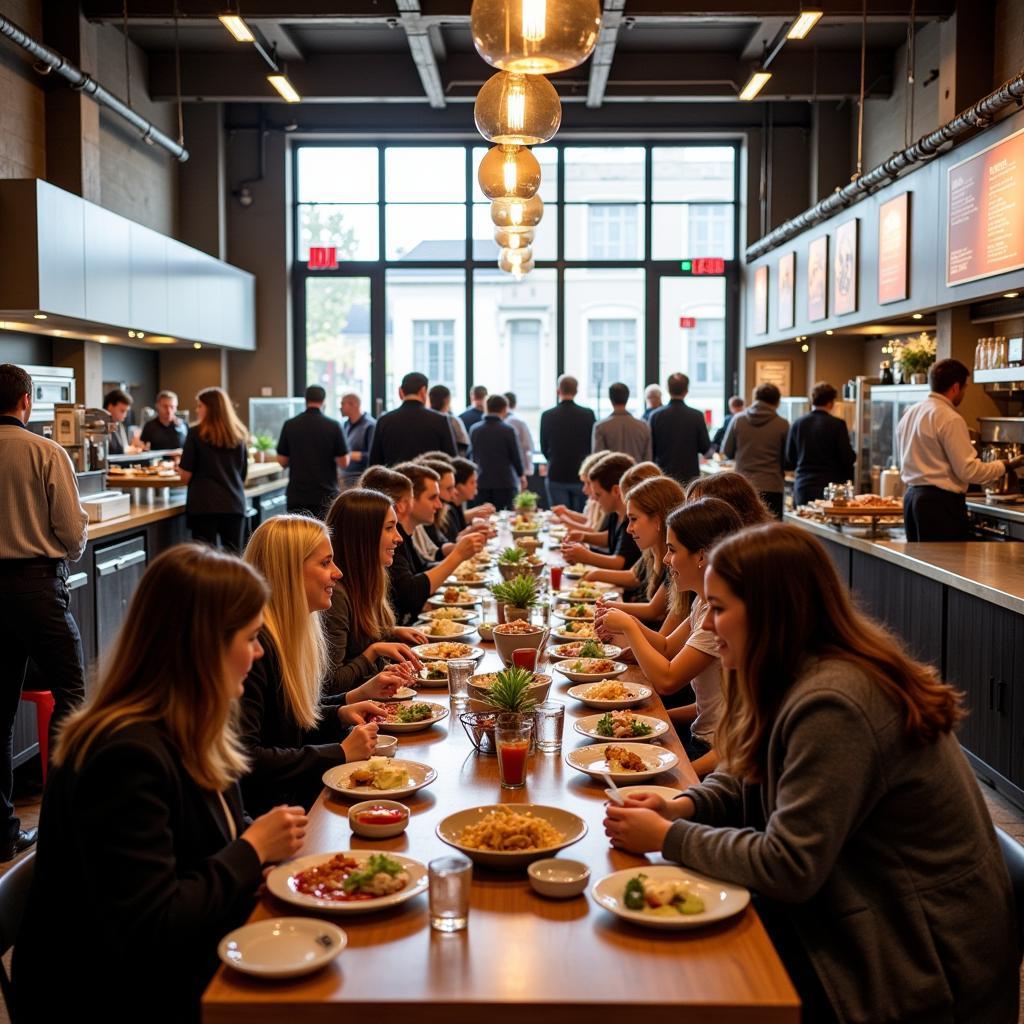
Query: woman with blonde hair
(145, 859)
(361, 627)
(292, 734)
(214, 463)
(844, 800)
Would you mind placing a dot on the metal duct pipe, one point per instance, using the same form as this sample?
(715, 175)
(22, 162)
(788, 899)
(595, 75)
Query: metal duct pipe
(977, 116)
(84, 83)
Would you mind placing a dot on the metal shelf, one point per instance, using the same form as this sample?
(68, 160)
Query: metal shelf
(1008, 375)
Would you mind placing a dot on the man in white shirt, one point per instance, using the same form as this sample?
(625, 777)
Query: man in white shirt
(938, 461)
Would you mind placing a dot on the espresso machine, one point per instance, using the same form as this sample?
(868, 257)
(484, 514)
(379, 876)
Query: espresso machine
(84, 433)
(1002, 437)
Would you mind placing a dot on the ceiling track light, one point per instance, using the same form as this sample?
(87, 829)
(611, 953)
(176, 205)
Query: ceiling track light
(284, 87)
(806, 20)
(755, 84)
(237, 27)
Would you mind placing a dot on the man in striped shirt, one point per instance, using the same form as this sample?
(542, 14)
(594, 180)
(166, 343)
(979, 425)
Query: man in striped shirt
(44, 527)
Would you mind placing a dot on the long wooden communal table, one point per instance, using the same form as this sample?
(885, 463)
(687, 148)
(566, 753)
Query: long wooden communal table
(522, 954)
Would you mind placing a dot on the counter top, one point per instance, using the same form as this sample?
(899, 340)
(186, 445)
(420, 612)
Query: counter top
(1012, 513)
(992, 571)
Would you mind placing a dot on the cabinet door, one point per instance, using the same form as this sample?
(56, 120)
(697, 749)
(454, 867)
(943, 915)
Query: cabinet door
(83, 608)
(980, 641)
(273, 504)
(840, 555)
(119, 567)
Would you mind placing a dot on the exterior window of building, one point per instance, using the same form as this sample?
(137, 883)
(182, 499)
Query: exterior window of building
(612, 348)
(524, 347)
(433, 347)
(710, 229)
(707, 352)
(612, 232)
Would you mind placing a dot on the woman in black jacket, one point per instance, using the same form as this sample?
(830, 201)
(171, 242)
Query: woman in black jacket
(145, 859)
(290, 731)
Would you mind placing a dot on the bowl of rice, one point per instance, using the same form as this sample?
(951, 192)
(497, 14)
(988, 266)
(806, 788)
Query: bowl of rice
(511, 836)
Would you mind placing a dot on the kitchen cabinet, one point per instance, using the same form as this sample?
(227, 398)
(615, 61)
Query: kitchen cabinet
(273, 503)
(118, 569)
(840, 555)
(83, 608)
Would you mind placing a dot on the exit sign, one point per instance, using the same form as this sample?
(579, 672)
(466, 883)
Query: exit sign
(703, 266)
(323, 257)
(688, 322)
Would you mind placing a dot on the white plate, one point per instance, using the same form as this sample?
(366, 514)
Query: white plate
(438, 601)
(572, 827)
(639, 695)
(285, 947)
(574, 618)
(587, 726)
(419, 776)
(430, 683)
(591, 760)
(576, 572)
(403, 693)
(605, 595)
(483, 581)
(721, 900)
(423, 652)
(280, 885)
(594, 584)
(555, 653)
(570, 637)
(424, 627)
(439, 714)
(666, 791)
(590, 677)
(463, 616)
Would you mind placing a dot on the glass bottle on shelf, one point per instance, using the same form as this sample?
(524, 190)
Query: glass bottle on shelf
(1004, 361)
(886, 372)
(977, 353)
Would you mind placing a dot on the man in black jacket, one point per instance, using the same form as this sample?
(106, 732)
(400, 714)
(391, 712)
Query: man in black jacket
(565, 432)
(412, 428)
(679, 434)
(818, 448)
(312, 447)
(494, 447)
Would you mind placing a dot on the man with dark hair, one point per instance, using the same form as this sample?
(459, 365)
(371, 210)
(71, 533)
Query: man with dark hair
(621, 551)
(475, 413)
(312, 448)
(938, 461)
(756, 439)
(358, 427)
(818, 448)
(736, 405)
(565, 435)
(412, 428)
(117, 403)
(440, 398)
(621, 431)
(165, 431)
(522, 429)
(44, 528)
(494, 447)
(679, 434)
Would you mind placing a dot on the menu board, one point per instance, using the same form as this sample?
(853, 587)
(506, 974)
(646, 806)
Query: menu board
(893, 247)
(985, 212)
(761, 300)
(817, 279)
(787, 294)
(774, 371)
(844, 269)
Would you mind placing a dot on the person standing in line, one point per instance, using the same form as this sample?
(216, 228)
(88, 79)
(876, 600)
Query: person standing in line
(819, 448)
(440, 398)
(475, 413)
(622, 431)
(565, 434)
(412, 429)
(117, 403)
(165, 431)
(358, 427)
(45, 527)
(652, 400)
(312, 448)
(214, 464)
(494, 447)
(679, 434)
(756, 439)
(736, 406)
(938, 460)
(522, 429)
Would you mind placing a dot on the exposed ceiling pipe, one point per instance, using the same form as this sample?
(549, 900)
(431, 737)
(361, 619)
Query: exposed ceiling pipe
(975, 117)
(84, 83)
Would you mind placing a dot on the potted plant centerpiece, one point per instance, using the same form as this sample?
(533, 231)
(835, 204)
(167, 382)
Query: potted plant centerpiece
(515, 597)
(264, 445)
(515, 561)
(512, 692)
(525, 501)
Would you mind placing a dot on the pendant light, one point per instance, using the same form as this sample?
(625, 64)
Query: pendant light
(511, 260)
(509, 171)
(535, 37)
(517, 110)
(514, 238)
(517, 213)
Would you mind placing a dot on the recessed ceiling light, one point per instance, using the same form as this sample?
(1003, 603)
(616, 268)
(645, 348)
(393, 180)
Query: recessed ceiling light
(756, 83)
(917, 316)
(805, 347)
(238, 28)
(38, 316)
(131, 334)
(285, 88)
(1010, 295)
(196, 345)
(828, 332)
(799, 29)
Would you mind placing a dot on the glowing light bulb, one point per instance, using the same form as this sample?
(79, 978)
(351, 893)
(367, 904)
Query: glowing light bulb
(534, 20)
(515, 106)
(515, 213)
(509, 173)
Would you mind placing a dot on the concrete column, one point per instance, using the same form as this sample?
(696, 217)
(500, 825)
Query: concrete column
(201, 184)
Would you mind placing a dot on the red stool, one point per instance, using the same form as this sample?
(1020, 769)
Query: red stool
(44, 702)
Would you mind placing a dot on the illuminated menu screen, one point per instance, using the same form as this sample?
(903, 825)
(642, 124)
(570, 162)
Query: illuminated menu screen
(985, 216)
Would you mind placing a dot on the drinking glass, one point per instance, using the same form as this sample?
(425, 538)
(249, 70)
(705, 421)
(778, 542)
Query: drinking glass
(512, 735)
(550, 722)
(460, 671)
(450, 879)
(525, 657)
(556, 577)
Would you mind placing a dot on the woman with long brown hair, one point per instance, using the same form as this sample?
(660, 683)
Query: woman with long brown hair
(734, 490)
(214, 464)
(145, 858)
(361, 627)
(844, 801)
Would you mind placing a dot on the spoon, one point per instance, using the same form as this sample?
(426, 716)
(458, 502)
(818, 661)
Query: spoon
(613, 791)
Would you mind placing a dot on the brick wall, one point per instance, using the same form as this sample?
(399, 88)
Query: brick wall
(22, 145)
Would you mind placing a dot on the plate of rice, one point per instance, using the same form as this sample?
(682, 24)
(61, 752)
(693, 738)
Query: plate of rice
(609, 694)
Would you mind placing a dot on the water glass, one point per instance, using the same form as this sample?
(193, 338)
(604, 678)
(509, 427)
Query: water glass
(550, 722)
(460, 671)
(450, 878)
(512, 735)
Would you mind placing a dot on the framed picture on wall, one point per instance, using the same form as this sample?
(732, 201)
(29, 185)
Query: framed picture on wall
(774, 371)
(787, 295)
(761, 300)
(893, 249)
(844, 269)
(817, 279)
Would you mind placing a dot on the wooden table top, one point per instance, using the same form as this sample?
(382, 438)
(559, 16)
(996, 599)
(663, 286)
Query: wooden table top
(521, 952)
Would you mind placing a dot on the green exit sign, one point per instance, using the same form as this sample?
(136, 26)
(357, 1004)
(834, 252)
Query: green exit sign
(686, 266)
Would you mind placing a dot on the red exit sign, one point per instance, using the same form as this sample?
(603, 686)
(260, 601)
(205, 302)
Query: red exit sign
(323, 257)
(703, 265)
(688, 322)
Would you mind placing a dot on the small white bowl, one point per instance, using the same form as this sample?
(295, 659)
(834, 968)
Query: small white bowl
(386, 746)
(377, 831)
(557, 878)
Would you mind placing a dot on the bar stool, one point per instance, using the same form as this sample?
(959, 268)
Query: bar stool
(44, 702)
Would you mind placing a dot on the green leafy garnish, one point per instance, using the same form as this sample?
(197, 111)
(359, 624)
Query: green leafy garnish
(413, 713)
(592, 649)
(633, 897)
(378, 863)
(604, 725)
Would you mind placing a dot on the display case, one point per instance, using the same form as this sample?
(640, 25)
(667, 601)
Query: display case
(268, 415)
(886, 407)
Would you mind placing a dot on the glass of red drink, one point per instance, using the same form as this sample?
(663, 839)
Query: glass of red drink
(556, 577)
(525, 657)
(512, 735)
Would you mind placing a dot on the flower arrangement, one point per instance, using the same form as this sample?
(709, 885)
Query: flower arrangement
(916, 354)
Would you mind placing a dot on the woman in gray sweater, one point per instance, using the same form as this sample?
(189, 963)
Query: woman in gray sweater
(844, 801)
